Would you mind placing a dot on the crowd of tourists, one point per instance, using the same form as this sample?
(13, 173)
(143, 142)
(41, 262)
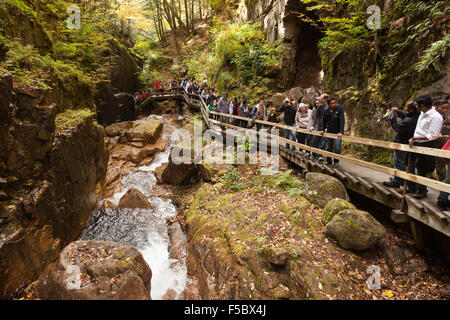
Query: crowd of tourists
(420, 124)
(158, 86)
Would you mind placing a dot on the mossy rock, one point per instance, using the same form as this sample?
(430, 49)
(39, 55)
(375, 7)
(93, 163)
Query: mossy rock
(321, 188)
(333, 207)
(355, 230)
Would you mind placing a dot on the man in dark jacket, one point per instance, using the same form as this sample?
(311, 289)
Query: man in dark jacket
(289, 110)
(333, 122)
(404, 131)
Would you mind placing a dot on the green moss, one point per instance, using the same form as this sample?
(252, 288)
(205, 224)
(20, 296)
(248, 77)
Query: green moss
(334, 207)
(72, 118)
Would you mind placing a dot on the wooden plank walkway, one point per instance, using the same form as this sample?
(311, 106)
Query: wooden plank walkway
(362, 180)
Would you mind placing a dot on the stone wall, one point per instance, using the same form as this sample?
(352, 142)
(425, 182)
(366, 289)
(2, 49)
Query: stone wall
(301, 65)
(47, 184)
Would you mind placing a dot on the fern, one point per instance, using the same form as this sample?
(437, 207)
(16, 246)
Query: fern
(434, 54)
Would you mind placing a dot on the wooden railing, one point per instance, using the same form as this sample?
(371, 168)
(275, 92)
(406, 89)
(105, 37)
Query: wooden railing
(198, 101)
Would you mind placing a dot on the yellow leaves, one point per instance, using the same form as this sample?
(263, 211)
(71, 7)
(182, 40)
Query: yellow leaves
(388, 293)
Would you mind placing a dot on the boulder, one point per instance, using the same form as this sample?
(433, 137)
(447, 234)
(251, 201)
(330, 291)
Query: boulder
(177, 173)
(147, 131)
(137, 154)
(133, 199)
(277, 99)
(321, 188)
(308, 95)
(355, 230)
(333, 207)
(138, 133)
(207, 172)
(96, 270)
(174, 172)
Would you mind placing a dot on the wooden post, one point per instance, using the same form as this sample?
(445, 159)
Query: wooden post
(417, 233)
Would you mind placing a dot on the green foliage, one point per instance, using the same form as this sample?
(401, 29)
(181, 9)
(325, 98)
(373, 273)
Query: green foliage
(243, 47)
(231, 179)
(434, 54)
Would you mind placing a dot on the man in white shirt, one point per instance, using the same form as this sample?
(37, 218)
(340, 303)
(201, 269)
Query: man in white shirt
(428, 130)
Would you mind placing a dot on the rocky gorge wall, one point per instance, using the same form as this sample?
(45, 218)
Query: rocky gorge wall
(365, 69)
(301, 63)
(48, 175)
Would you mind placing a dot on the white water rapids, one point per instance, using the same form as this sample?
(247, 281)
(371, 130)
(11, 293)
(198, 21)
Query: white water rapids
(146, 230)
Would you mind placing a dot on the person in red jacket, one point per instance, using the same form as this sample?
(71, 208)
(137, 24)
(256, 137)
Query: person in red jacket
(156, 84)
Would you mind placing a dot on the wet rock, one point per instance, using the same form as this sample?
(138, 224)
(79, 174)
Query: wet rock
(134, 199)
(355, 230)
(333, 207)
(177, 241)
(321, 188)
(170, 295)
(136, 155)
(176, 173)
(107, 205)
(96, 270)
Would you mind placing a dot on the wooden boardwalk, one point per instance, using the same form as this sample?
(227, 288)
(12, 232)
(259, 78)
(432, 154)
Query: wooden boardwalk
(360, 179)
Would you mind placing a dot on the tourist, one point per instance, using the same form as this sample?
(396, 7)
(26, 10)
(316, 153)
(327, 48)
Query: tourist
(234, 108)
(427, 131)
(441, 106)
(443, 202)
(244, 112)
(223, 106)
(258, 113)
(272, 117)
(333, 122)
(156, 84)
(289, 110)
(403, 132)
(302, 119)
(317, 124)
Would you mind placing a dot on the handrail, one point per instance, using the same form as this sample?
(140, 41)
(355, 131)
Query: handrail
(372, 142)
(383, 144)
(391, 171)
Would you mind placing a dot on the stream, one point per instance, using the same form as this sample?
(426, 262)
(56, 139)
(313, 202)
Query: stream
(146, 230)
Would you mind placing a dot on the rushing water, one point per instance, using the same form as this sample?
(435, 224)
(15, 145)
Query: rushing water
(144, 229)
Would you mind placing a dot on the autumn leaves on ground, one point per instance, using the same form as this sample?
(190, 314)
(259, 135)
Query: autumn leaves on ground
(252, 236)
